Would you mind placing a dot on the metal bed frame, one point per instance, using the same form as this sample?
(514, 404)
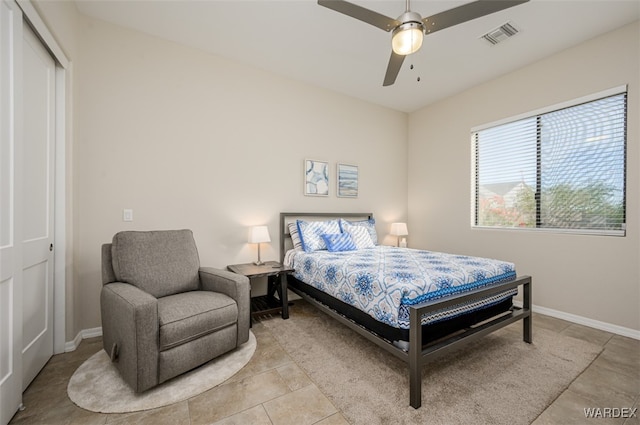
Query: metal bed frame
(418, 355)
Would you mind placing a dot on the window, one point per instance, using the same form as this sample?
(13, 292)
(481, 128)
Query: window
(561, 169)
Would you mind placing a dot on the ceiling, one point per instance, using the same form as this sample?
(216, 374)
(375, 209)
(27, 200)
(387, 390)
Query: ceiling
(301, 40)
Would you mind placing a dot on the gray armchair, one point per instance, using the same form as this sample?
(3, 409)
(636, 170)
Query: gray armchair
(163, 314)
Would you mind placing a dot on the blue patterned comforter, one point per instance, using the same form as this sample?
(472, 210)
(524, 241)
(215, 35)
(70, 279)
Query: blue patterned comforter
(383, 281)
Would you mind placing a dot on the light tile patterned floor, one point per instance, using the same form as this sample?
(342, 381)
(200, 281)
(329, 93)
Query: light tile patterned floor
(273, 390)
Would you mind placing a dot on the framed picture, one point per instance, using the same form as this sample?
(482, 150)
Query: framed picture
(316, 178)
(347, 181)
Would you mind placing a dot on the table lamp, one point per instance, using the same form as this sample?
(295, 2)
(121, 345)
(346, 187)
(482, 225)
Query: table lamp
(259, 234)
(399, 229)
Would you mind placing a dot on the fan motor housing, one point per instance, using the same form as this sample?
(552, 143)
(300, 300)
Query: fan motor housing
(407, 25)
(410, 18)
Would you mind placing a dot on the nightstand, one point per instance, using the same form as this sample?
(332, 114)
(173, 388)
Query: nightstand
(276, 275)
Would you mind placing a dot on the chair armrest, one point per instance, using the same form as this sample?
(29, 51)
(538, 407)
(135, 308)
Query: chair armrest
(130, 320)
(235, 286)
(231, 284)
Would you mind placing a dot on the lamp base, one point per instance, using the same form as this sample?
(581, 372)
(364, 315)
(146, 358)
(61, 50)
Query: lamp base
(259, 262)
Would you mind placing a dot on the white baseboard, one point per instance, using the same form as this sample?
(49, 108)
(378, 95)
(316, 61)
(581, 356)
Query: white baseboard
(83, 334)
(596, 324)
(72, 345)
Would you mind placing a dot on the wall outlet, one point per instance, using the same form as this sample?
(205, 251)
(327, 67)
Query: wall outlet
(127, 215)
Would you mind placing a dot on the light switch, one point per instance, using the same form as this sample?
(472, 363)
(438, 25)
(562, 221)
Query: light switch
(127, 215)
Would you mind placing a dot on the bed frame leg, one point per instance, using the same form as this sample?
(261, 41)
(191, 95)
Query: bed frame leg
(527, 326)
(415, 357)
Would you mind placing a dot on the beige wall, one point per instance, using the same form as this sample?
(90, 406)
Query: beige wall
(190, 140)
(187, 139)
(595, 277)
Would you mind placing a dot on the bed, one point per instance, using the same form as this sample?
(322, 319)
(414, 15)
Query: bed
(415, 304)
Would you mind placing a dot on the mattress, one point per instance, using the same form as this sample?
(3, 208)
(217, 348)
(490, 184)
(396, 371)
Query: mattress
(384, 281)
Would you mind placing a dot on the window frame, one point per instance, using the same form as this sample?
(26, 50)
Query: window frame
(536, 114)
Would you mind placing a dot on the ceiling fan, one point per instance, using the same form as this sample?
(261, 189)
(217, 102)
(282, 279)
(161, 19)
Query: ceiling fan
(408, 30)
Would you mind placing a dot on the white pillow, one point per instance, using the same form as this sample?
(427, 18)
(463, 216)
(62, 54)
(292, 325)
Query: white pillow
(311, 232)
(361, 237)
(369, 224)
(295, 237)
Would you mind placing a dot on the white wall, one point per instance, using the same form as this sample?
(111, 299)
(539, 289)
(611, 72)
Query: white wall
(190, 140)
(595, 277)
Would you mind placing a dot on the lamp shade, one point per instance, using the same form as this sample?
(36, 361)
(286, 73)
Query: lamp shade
(399, 229)
(407, 38)
(258, 234)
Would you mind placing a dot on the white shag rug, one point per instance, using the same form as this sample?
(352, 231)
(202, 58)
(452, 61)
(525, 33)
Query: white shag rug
(97, 386)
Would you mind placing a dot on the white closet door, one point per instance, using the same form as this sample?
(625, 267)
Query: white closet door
(10, 211)
(37, 208)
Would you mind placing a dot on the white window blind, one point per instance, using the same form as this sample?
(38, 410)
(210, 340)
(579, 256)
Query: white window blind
(562, 170)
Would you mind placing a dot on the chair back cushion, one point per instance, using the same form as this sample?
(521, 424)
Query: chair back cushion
(107, 265)
(158, 262)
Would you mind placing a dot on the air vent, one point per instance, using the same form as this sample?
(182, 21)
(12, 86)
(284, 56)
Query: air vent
(501, 33)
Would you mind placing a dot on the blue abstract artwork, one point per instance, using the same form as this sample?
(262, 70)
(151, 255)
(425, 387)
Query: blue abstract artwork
(347, 181)
(316, 178)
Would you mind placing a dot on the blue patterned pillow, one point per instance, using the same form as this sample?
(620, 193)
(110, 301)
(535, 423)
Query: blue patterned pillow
(338, 242)
(361, 237)
(311, 232)
(369, 224)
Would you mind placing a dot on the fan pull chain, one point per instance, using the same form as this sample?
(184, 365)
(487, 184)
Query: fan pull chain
(411, 67)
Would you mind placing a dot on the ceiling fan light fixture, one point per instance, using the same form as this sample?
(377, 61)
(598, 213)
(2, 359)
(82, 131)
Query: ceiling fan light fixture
(407, 38)
(409, 28)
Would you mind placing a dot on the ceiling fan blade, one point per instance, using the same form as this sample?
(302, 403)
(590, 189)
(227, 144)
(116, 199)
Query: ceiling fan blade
(395, 63)
(365, 15)
(465, 13)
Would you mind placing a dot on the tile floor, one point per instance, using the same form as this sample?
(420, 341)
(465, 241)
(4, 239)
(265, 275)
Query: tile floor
(273, 390)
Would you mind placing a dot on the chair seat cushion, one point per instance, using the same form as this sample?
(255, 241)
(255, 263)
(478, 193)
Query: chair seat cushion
(190, 315)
